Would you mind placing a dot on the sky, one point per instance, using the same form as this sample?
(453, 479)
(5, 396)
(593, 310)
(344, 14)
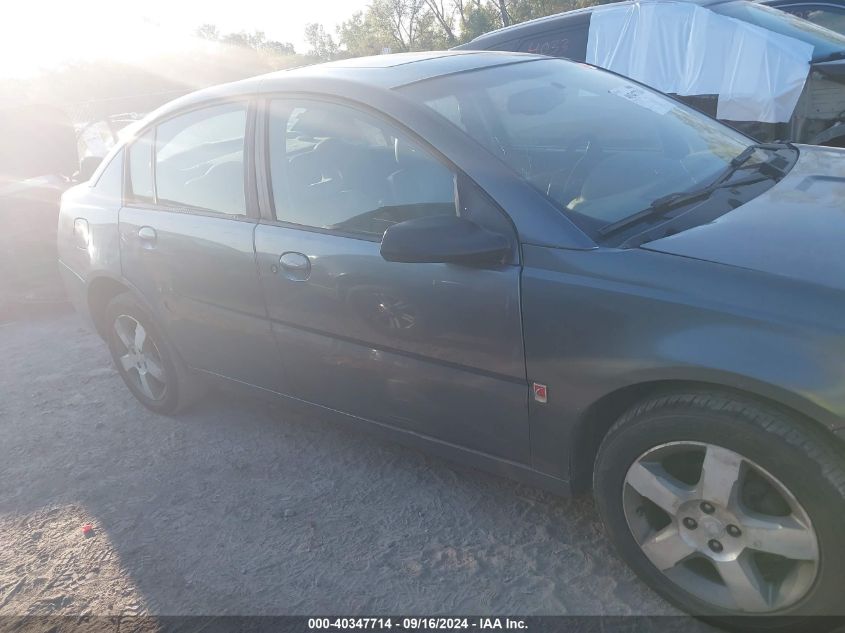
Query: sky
(46, 33)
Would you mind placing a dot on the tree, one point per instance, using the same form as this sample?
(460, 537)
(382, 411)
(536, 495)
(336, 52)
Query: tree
(444, 13)
(208, 32)
(409, 25)
(477, 17)
(256, 40)
(323, 46)
(503, 11)
(399, 20)
(280, 48)
(359, 35)
(398, 25)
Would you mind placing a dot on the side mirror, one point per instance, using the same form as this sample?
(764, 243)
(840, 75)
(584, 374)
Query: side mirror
(87, 168)
(442, 239)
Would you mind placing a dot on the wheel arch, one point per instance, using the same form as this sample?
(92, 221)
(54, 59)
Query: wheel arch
(597, 419)
(101, 290)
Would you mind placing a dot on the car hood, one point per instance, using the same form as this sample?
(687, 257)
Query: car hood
(796, 229)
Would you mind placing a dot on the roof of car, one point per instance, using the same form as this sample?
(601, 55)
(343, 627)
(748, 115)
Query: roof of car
(375, 72)
(548, 22)
(399, 69)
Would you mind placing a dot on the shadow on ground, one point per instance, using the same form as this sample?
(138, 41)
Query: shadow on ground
(243, 507)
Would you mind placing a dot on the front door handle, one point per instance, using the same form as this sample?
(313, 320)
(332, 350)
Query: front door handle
(147, 235)
(295, 266)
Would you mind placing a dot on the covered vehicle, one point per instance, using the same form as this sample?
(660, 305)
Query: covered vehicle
(523, 263)
(42, 153)
(38, 156)
(766, 72)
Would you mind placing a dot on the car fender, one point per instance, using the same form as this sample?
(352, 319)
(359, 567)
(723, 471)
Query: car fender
(623, 322)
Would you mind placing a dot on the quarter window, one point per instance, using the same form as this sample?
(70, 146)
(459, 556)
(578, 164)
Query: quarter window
(199, 160)
(334, 167)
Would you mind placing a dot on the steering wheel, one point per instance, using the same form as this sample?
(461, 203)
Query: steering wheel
(593, 150)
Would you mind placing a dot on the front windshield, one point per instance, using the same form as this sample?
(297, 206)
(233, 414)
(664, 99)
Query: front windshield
(600, 146)
(826, 43)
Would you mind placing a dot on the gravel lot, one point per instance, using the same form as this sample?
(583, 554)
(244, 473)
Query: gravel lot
(243, 507)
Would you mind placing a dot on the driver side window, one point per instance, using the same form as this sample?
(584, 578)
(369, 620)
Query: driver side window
(337, 168)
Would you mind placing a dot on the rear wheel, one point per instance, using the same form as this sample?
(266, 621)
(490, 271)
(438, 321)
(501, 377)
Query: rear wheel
(148, 365)
(726, 507)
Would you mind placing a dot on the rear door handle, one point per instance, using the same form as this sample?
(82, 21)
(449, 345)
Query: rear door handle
(147, 235)
(295, 266)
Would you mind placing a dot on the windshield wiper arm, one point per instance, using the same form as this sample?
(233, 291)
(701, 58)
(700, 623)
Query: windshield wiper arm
(665, 204)
(670, 201)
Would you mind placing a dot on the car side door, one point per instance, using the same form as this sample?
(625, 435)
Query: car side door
(186, 234)
(431, 348)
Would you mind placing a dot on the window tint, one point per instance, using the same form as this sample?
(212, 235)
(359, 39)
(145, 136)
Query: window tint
(832, 18)
(334, 167)
(569, 42)
(200, 160)
(140, 185)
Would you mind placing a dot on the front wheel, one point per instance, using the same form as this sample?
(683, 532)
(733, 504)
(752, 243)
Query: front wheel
(726, 507)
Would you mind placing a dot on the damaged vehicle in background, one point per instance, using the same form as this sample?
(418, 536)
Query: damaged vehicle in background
(38, 156)
(522, 263)
(42, 153)
(708, 53)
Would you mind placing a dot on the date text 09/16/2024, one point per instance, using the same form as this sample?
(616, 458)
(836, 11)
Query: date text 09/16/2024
(418, 623)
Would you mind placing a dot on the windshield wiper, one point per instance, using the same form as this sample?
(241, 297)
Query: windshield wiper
(666, 203)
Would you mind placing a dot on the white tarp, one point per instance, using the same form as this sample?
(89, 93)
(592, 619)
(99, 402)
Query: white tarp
(685, 49)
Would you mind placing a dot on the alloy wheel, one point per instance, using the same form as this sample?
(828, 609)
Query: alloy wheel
(721, 527)
(140, 358)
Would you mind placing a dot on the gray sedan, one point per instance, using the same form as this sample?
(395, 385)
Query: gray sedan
(522, 263)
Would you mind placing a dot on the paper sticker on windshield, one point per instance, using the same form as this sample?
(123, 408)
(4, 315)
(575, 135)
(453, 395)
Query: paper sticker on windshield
(643, 98)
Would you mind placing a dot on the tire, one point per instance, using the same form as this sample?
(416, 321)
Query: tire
(147, 363)
(722, 560)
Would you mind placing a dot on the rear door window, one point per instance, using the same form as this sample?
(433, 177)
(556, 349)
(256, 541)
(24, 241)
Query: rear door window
(199, 160)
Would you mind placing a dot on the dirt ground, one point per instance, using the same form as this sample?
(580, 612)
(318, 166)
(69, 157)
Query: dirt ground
(241, 507)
